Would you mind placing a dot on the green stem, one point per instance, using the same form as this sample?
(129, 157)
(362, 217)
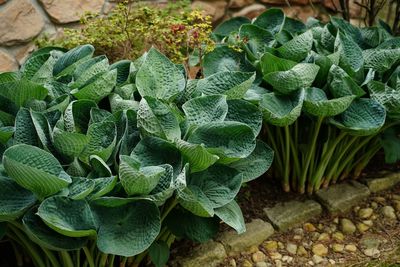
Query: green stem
(111, 262)
(286, 185)
(169, 208)
(271, 140)
(66, 259)
(89, 257)
(51, 257)
(310, 155)
(18, 256)
(30, 247)
(103, 260)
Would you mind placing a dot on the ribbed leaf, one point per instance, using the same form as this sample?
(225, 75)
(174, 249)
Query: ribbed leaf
(381, 59)
(229, 140)
(271, 20)
(127, 230)
(35, 169)
(351, 56)
(363, 117)
(159, 78)
(271, 63)
(386, 96)
(205, 109)
(196, 155)
(231, 214)
(297, 48)
(341, 84)
(255, 38)
(282, 110)
(317, 103)
(300, 76)
(21, 92)
(256, 164)
(67, 63)
(14, 199)
(245, 112)
(157, 119)
(233, 84)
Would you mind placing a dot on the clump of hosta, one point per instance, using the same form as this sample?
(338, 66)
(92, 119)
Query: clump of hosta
(105, 165)
(327, 92)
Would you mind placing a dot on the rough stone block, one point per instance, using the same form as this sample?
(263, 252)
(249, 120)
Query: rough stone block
(208, 254)
(386, 181)
(341, 197)
(256, 232)
(289, 214)
(7, 62)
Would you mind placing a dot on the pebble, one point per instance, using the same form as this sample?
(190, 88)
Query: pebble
(278, 263)
(275, 255)
(298, 231)
(301, 251)
(336, 220)
(374, 205)
(252, 249)
(247, 263)
(379, 199)
(309, 227)
(350, 248)
(311, 263)
(291, 248)
(314, 235)
(396, 197)
(362, 228)
(372, 252)
(232, 263)
(338, 247)
(324, 237)
(271, 245)
(258, 256)
(281, 245)
(347, 226)
(388, 212)
(297, 237)
(356, 209)
(317, 259)
(368, 223)
(287, 259)
(320, 250)
(365, 213)
(261, 264)
(338, 236)
(332, 262)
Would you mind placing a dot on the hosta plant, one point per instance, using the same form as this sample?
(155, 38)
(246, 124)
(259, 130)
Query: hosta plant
(105, 165)
(327, 92)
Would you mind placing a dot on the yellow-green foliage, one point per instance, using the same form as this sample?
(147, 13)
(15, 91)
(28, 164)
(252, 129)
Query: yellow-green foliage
(174, 29)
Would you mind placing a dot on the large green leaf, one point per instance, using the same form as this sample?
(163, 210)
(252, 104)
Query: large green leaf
(351, 56)
(300, 76)
(35, 169)
(159, 78)
(80, 188)
(157, 119)
(282, 110)
(381, 59)
(68, 217)
(69, 144)
(243, 111)
(41, 234)
(233, 84)
(223, 59)
(297, 48)
(271, 63)
(256, 164)
(159, 253)
(386, 96)
(77, 115)
(187, 225)
(21, 92)
(14, 199)
(88, 69)
(228, 26)
(317, 103)
(363, 117)
(229, 140)
(231, 214)
(205, 109)
(197, 155)
(136, 180)
(341, 84)
(271, 20)
(256, 39)
(98, 89)
(127, 230)
(67, 63)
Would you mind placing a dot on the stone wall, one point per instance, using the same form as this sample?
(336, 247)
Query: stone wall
(21, 21)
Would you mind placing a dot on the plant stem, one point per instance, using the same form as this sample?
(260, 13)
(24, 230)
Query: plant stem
(66, 259)
(89, 257)
(286, 185)
(310, 155)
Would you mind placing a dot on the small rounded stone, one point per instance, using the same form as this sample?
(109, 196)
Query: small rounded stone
(301, 251)
(362, 228)
(365, 213)
(320, 250)
(309, 227)
(258, 256)
(275, 255)
(350, 248)
(372, 252)
(317, 259)
(347, 226)
(247, 263)
(338, 236)
(338, 247)
(291, 248)
(388, 212)
(324, 237)
(271, 245)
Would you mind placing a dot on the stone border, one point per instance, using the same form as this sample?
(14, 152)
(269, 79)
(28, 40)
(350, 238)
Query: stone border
(284, 216)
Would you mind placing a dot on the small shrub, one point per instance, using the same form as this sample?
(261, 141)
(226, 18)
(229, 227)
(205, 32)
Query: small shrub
(330, 93)
(175, 30)
(105, 165)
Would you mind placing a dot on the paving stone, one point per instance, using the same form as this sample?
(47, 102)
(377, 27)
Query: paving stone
(385, 182)
(256, 232)
(340, 198)
(289, 214)
(7, 62)
(208, 254)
